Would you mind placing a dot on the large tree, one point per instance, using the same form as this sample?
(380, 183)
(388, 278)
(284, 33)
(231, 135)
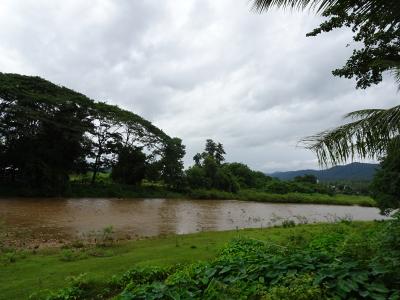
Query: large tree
(115, 128)
(209, 170)
(172, 163)
(106, 138)
(48, 132)
(42, 133)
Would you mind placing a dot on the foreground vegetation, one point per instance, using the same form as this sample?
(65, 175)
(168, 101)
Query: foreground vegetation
(318, 261)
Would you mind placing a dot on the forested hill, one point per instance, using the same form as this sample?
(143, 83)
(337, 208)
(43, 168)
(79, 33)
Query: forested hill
(353, 171)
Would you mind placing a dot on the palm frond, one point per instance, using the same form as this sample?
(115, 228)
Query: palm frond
(363, 7)
(319, 5)
(368, 136)
(364, 113)
(396, 75)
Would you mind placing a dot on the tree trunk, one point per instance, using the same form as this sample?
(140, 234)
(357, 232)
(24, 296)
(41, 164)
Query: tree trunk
(94, 175)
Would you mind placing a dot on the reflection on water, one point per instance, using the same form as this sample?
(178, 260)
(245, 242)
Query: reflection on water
(70, 218)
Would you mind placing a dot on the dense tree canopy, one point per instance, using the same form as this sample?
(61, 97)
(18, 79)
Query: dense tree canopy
(42, 132)
(130, 167)
(246, 177)
(48, 132)
(211, 172)
(172, 163)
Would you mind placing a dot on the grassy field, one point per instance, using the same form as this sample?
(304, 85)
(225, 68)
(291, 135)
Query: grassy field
(23, 273)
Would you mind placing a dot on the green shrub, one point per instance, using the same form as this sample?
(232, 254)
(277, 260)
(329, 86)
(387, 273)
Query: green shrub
(294, 287)
(71, 255)
(79, 287)
(144, 275)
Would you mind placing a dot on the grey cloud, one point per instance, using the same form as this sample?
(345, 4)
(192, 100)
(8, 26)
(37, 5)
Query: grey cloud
(197, 68)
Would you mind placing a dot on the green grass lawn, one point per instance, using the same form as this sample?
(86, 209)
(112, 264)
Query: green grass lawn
(46, 269)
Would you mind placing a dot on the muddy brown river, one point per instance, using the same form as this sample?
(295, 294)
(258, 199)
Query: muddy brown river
(61, 219)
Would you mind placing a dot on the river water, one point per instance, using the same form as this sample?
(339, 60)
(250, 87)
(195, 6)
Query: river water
(46, 219)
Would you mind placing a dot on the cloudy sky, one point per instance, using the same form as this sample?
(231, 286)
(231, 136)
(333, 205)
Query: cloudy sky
(198, 69)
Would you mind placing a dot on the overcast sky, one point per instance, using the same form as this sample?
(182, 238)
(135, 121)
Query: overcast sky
(197, 69)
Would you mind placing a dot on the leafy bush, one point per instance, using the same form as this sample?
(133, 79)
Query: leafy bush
(71, 255)
(144, 275)
(197, 179)
(11, 255)
(79, 287)
(294, 287)
(249, 268)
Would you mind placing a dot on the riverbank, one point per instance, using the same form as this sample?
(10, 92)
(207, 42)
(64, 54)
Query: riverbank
(112, 190)
(254, 195)
(122, 191)
(26, 272)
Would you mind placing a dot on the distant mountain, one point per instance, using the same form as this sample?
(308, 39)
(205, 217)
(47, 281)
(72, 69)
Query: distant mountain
(354, 171)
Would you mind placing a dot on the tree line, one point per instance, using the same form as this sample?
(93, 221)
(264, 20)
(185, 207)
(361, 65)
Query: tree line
(210, 171)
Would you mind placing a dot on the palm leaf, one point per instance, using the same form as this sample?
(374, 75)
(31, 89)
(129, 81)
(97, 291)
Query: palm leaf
(319, 5)
(396, 75)
(363, 7)
(367, 136)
